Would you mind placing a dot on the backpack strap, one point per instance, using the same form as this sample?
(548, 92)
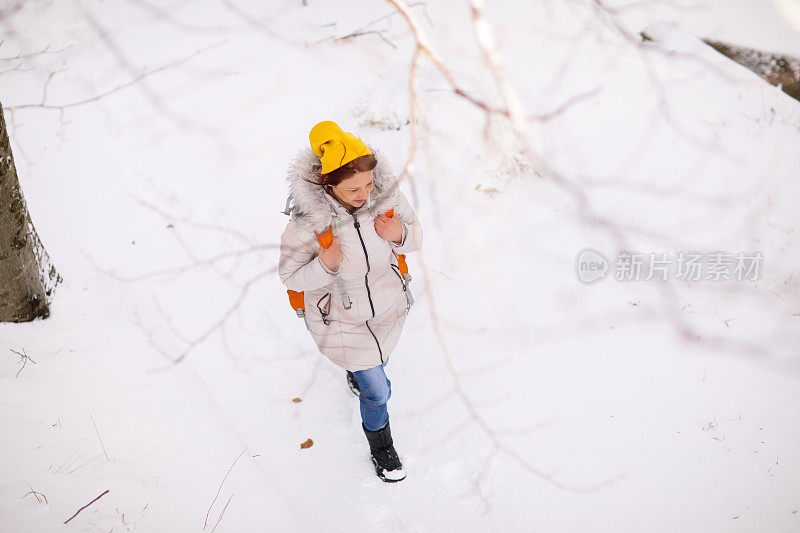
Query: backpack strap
(325, 239)
(402, 266)
(297, 299)
(401, 259)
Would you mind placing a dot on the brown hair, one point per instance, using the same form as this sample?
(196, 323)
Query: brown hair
(359, 164)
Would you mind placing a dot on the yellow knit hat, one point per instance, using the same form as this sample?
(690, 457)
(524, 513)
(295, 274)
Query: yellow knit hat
(334, 146)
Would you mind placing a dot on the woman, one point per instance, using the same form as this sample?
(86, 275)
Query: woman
(356, 299)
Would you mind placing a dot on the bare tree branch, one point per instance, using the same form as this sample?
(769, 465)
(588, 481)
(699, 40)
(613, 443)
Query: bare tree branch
(133, 82)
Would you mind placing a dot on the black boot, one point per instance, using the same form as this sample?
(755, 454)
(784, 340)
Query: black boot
(384, 457)
(351, 381)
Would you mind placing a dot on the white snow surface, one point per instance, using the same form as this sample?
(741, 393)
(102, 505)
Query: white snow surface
(152, 139)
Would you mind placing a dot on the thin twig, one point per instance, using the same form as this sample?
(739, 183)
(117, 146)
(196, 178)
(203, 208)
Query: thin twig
(25, 359)
(358, 33)
(45, 50)
(36, 494)
(219, 323)
(222, 513)
(220, 489)
(98, 436)
(549, 115)
(393, 13)
(85, 506)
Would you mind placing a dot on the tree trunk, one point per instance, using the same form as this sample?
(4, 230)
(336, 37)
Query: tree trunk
(777, 69)
(27, 278)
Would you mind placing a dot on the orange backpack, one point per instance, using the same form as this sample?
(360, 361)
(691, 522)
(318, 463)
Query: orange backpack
(325, 239)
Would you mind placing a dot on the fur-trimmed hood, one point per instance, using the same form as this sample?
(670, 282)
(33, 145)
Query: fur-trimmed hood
(313, 208)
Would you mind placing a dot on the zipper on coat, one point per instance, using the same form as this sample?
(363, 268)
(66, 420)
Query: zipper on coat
(380, 352)
(366, 282)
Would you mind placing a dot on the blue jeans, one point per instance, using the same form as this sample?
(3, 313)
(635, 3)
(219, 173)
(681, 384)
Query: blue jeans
(376, 389)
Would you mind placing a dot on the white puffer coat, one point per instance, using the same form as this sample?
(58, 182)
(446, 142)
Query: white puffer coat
(366, 334)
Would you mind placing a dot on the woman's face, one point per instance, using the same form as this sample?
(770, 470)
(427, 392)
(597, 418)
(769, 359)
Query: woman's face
(353, 191)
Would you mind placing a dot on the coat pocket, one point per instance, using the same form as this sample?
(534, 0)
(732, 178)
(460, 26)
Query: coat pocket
(324, 308)
(319, 312)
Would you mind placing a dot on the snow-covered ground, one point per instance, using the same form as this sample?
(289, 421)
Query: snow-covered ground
(152, 140)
